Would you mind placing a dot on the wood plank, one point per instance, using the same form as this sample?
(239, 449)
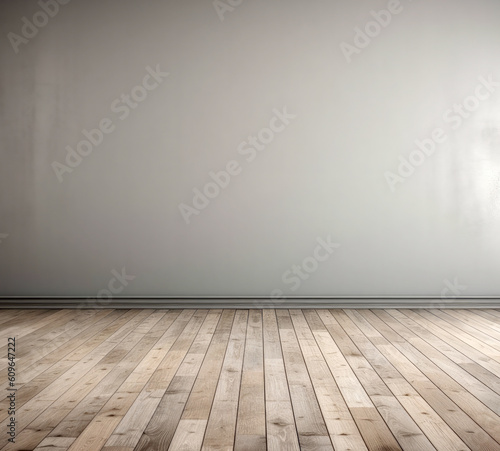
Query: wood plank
(255, 380)
(32, 393)
(371, 425)
(31, 321)
(469, 339)
(95, 435)
(478, 321)
(55, 444)
(189, 435)
(81, 416)
(281, 430)
(491, 312)
(468, 403)
(51, 326)
(461, 423)
(421, 352)
(488, 314)
(191, 427)
(311, 428)
(131, 428)
(451, 338)
(161, 428)
(342, 428)
(36, 360)
(7, 315)
(489, 379)
(221, 427)
(402, 426)
(439, 433)
(42, 335)
(59, 386)
(475, 330)
(251, 421)
(38, 429)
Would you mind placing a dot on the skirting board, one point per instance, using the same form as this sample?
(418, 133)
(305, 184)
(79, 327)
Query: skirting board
(411, 302)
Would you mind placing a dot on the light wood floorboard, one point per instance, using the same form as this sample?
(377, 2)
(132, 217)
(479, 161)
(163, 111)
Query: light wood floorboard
(252, 380)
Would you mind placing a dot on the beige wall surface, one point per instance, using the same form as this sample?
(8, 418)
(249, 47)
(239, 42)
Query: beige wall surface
(252, 148)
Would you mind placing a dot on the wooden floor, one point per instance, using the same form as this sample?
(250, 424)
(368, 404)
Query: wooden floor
(123, 380)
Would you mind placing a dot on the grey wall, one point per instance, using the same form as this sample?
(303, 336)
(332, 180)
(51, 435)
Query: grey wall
(332, 171)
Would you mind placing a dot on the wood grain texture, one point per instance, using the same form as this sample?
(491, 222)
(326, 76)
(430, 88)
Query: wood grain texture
(253, 380)
(251, 421)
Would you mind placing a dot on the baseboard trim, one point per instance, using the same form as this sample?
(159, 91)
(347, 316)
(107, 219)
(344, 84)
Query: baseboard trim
(410, 302)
